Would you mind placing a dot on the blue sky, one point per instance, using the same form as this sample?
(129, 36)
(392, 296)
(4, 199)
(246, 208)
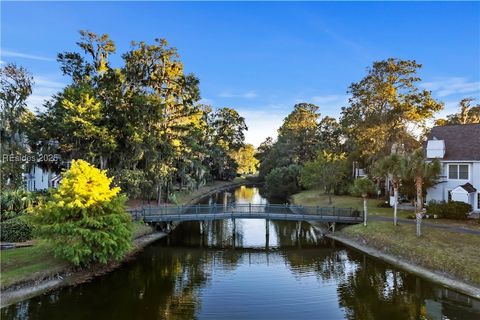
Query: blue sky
(262, 57)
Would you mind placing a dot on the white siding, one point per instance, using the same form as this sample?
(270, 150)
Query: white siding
(440, 191)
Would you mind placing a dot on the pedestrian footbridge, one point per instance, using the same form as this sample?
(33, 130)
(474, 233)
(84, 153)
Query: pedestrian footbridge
(206, 212)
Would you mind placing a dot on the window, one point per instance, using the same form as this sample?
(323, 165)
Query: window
(478, 200)
(463, 171)
(458, 171)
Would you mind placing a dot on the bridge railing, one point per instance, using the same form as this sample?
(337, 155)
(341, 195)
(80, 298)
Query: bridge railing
(203, 209)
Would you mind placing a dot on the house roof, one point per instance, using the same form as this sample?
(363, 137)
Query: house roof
(462, 142)
(469, 188)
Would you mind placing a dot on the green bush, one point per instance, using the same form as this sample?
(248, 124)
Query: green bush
(134, 183)
(14, 203)
(283, 182)
(15, 230)
(85, 220)
(449, 210)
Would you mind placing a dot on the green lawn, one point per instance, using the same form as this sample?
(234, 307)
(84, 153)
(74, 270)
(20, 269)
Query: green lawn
(318, 198)
(29, 263)
(449, 252)
(140, 229)
(36, 262)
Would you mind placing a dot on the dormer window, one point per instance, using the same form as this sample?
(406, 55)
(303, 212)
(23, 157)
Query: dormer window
(435, 148)
(458, 171)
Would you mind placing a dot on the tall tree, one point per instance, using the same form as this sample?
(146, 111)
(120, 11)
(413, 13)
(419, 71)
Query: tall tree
(245, 159)
(467, 114)
(227, 137)
(422, 172)
(297, 140)
(384, 106)
(391, 168)
(15, 87)
(299, 133)
(330, 135)
(326, 172)
(364, 187)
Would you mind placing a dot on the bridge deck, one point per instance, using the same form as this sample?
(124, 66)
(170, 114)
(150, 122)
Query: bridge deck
(247, 211)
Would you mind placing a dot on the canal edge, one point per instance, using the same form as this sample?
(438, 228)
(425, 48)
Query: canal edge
(425, 273)
(30, 289)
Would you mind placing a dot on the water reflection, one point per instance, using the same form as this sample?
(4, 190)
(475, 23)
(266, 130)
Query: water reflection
(234, 270)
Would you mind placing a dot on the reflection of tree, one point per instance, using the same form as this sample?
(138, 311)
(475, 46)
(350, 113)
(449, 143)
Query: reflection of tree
(286, 232)
(165, 281)
(245, 194)
(162, 284)
(366, 289)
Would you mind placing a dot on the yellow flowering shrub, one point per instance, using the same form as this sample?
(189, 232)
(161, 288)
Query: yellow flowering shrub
(84, 186)
(85, 219)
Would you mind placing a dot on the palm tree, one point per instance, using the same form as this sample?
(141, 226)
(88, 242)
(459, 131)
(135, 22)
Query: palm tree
(364, 186)
(423, 173)
(392, 167)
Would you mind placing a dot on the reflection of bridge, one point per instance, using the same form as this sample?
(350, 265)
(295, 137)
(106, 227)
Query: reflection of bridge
(205, 212)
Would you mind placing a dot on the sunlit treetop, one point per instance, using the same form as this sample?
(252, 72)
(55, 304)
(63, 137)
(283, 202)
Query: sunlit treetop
(84, 186)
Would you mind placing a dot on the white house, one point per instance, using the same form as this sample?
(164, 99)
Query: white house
(458, 149)
(39, 178)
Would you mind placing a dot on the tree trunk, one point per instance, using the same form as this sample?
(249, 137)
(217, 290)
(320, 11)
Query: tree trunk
(167, 194)
(159, 193)
(365, 211)
(419, 217)
(395, 201)
(387, 186)
(329, 197)
(419, 186)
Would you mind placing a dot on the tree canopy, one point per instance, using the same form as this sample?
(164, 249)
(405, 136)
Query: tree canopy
(140, 120)
(384, 106)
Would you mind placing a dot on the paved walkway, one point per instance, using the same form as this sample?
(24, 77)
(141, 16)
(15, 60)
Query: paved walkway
(429, 224)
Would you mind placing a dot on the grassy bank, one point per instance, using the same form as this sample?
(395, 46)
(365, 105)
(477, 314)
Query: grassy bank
(316, 197)
(452, 253)
(37, 262)
(186, 197)
(29, 263)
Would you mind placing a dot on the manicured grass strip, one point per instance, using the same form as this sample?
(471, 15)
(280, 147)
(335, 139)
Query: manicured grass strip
(30, 263)
(140, 229)
(452, 253)
(316, 197)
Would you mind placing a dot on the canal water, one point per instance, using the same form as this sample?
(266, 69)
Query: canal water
(234, 270)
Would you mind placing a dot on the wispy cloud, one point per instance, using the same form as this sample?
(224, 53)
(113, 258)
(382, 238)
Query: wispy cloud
(44, 88)
(14, 54)
(242, 95)
(450, 86)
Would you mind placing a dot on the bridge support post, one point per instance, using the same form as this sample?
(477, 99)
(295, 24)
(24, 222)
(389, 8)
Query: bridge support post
(267, 227)
(202, 227)
(234, 232)
(331, 227)
(267, 242)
